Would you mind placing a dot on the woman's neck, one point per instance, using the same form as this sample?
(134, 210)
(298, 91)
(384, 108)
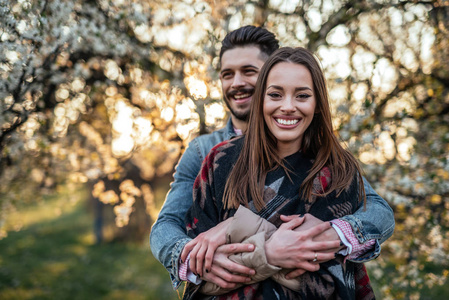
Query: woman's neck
(286, 149)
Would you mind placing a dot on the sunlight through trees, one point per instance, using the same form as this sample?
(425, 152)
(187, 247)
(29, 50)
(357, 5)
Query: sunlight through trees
(105, 92)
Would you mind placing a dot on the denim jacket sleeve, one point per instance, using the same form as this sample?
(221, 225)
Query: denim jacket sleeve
(168, 234)
(376, 222)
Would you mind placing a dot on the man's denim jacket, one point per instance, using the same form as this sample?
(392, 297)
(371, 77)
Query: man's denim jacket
(168, 235)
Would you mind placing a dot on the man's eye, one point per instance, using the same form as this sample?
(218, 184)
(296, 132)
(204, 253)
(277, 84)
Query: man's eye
(226, 75)
(250, 72)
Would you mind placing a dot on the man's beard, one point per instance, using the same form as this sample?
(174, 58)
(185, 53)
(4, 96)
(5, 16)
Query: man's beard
(242, 116)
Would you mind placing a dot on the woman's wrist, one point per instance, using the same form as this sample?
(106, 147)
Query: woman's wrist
(271, 259)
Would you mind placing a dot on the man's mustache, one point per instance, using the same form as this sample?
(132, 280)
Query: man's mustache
(240, 91)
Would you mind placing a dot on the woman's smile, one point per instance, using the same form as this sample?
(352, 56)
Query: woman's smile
(287, 122)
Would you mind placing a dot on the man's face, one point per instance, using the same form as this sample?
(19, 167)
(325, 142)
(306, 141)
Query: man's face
(239, 71)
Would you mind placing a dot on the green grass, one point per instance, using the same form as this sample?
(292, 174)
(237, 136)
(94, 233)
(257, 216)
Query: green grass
(53, 256)
(50, 253)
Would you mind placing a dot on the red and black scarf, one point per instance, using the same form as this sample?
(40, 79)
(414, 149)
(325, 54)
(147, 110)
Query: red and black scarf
(334, 280)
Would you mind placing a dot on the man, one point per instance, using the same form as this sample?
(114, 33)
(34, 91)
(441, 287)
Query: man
(242, 55)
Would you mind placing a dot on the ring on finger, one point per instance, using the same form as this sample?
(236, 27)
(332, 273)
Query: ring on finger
(316, 257)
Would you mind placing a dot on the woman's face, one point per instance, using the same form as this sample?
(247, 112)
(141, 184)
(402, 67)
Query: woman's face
(289, 105)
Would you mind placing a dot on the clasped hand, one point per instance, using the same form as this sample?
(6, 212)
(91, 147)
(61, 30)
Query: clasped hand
(209, 249)
(292, 246)
(296, 243)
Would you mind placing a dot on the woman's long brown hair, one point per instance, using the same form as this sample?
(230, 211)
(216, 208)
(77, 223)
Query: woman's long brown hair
(259, 154)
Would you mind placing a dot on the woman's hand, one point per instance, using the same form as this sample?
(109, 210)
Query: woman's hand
(311, 221)
(328, 235)
(296, 249)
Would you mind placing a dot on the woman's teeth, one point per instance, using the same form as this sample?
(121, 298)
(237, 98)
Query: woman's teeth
(287, 122)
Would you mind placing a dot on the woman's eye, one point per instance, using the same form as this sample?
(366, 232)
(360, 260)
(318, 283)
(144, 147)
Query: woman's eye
(274, 95)
(304, 96)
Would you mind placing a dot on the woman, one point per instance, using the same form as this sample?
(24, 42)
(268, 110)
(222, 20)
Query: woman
(289, 162)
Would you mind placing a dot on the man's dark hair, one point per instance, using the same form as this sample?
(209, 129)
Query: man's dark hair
(250, 36)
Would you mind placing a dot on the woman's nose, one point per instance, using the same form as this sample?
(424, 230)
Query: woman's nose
(287, 104)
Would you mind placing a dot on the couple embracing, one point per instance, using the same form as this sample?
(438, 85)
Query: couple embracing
(271, 206)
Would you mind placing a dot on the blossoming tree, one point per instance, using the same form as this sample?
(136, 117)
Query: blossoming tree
(109, 92)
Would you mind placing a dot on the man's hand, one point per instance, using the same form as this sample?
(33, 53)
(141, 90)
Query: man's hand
(226, 273)
(328, 235)
(289, 248)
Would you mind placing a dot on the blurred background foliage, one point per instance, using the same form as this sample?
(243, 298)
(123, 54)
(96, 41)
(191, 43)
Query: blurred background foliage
(105, 95)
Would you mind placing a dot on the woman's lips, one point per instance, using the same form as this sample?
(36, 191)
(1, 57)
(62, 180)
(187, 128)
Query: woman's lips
(287, 122)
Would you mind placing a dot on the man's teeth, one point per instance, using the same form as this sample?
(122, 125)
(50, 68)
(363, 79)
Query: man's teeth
(287, 122)
(242, 96)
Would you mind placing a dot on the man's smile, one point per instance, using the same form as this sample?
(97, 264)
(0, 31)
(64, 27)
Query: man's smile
(241, 96)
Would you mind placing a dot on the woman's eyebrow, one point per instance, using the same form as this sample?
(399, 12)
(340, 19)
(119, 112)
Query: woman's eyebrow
(303, 88)
(278, 87)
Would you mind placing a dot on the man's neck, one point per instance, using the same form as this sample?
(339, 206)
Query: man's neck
(239, 124)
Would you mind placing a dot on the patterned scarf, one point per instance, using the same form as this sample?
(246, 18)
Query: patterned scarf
(334, 280)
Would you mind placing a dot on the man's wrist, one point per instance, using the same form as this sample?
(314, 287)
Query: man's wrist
(185, 274)
(347, 249)
(176, 255)
(347, 235)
